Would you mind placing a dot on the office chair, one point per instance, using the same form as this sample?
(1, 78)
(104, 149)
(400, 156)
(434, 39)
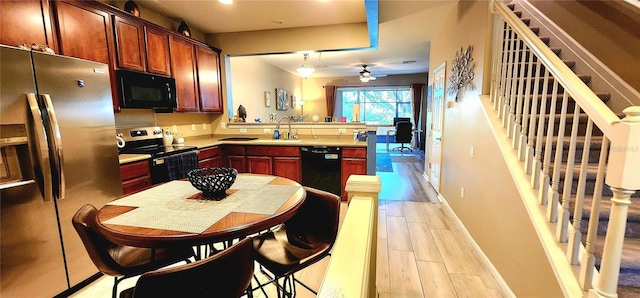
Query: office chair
(225, 274)
(301, 241)
(404, 134)
(121, 261)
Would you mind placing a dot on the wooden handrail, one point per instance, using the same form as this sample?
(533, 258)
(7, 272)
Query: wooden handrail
(600, 113)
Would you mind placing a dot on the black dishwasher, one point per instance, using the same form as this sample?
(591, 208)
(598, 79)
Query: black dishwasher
(321, 168)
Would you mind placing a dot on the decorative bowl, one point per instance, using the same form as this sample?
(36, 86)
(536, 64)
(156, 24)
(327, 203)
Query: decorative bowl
(213, 182)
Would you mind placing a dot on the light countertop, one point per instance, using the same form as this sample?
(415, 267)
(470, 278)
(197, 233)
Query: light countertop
(127, 158)
(214, 140)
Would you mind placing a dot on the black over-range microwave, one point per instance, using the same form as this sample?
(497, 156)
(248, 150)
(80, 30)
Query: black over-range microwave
(146, 91)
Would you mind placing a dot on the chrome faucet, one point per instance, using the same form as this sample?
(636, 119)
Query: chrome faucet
(289, 134)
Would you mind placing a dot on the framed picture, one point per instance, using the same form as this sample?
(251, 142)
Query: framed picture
(293, 101)
(282, 100)
(267, 99)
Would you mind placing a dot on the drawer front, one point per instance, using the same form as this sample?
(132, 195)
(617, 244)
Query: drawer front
(273, 151)
(134, 169)
(136, 184)
(208, 152)
(354, 152)
(234, 150)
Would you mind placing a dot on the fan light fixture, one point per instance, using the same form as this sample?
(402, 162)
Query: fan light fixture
(306, 69)
(365, 75)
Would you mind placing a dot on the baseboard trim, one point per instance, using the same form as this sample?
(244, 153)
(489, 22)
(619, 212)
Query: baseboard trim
(504, 287)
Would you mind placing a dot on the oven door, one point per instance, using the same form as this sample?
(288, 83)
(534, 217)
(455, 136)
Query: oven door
(173, 167)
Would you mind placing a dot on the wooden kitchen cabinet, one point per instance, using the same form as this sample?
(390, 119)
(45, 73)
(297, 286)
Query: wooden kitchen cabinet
(84, 31)
(260, 165)
(288, 167)
(275, 160)
(354, 162)
(135, 176)
(26, 22)
(130, 48)
(236, 157)
(209, 157)
(140, 47)
(157, 51)
(183, 68)
(210, 90)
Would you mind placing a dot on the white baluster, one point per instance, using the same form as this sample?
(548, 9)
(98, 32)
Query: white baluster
(588, 260)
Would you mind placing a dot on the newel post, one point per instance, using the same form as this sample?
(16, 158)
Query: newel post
(623, 175)
(368, 186)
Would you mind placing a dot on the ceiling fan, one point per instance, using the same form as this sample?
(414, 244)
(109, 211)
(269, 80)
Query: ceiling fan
(365, 75)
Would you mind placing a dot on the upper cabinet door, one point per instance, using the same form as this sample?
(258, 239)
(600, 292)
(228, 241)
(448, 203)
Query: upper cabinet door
(25, 22)
(183, 68)
(157, 51)
(84, 32)
(130, 48)
(209, 80)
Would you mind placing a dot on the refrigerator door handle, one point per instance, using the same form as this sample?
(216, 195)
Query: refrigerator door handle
(58, 158)
(41, 147)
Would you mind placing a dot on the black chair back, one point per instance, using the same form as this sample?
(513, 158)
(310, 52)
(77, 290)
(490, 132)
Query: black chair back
(404, 132)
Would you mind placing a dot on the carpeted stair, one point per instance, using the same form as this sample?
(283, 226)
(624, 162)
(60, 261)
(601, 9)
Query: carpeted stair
(629, 281)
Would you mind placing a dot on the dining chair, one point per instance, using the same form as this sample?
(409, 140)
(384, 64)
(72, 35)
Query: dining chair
(225, 274)
(299, 242)
(404, 134)
(121, 261)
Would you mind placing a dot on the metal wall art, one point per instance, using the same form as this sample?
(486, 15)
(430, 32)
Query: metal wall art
(461, 72)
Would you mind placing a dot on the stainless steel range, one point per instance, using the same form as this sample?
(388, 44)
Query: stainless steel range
(167, 162)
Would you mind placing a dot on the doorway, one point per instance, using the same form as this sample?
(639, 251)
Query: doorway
(437, 124)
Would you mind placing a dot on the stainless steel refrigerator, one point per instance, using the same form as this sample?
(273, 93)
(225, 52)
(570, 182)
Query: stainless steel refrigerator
(57, 152)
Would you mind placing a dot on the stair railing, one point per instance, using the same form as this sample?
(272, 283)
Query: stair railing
(537, 122)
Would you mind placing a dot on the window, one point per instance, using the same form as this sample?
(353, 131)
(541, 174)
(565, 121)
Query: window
(378, 105)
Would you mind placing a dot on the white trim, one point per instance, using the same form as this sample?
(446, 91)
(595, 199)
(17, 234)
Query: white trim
(504, 287)
(565, 273)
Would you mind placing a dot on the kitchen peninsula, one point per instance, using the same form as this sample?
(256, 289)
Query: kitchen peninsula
(257, 154)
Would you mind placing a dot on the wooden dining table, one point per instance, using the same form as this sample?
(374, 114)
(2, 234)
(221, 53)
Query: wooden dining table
(176, 214)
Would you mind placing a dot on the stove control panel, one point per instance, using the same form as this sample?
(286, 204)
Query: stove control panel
(140, 133)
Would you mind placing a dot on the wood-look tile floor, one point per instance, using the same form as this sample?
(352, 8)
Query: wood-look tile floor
(421, 252)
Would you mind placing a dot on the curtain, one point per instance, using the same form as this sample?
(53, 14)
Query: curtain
(416, 100)
(331, 99)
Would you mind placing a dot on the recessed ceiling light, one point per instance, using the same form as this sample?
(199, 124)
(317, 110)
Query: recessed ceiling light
(226, 1)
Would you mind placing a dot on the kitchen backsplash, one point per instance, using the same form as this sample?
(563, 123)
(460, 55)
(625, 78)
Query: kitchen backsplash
(187, 124)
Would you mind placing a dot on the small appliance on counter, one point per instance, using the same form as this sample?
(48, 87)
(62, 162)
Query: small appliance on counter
(178, 138)
(167, 138)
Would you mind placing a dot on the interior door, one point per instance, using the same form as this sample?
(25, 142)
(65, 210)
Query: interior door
(437, 110)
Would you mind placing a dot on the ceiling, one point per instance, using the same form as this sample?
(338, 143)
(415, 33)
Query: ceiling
(404, 32)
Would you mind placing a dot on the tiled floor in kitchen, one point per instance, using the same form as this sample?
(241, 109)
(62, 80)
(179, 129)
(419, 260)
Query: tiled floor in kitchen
(421, 252)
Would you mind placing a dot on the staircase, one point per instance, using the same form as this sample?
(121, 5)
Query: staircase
(569, 140)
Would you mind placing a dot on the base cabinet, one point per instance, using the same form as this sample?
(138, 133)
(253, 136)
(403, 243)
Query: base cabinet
(354, 162)
(269, 160)
(135, 176)
(209, 158)
(275, 160)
